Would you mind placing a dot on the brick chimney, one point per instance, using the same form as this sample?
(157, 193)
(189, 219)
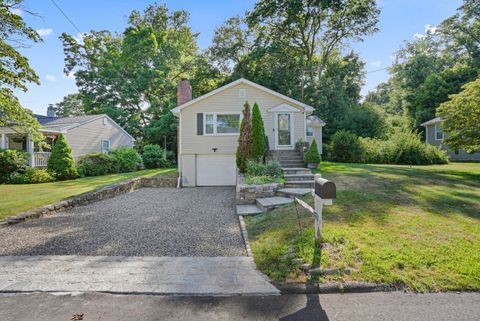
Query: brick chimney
(50, 111)
(184, 92)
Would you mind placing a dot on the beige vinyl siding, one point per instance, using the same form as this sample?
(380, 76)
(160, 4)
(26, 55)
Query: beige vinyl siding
(317, 134)
(87, 138)
(460, 155)
(228, 101)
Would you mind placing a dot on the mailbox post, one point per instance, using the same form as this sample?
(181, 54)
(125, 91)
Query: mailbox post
(324, 193)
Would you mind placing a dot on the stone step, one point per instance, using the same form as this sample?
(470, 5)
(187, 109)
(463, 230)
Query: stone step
(249, 209)
(290, 157)
(294, 192)
(295, 165)
(299, 177)
(269, 203)
(292, 161)
(299, 184)
(296, 170)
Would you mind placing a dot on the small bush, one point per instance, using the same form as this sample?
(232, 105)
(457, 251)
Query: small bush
(11, 162)
(312, 156)
(155, 157)
(61, 160)
(95, 165)
(255, 168)
(273, 169)
(259, 180)
(125, 159)
(32, 176)
(345, 147)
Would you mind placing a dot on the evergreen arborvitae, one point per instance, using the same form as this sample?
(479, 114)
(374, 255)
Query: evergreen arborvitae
(258, 134)
(244, 149)
(312, 155)
(61, 161)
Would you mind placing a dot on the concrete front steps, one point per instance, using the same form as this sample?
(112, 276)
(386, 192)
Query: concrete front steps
(263, 205)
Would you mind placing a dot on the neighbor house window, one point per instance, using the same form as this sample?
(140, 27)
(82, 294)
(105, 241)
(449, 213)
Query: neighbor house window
(309, 131)
(222, 124)
(438, 131)
(105, 146)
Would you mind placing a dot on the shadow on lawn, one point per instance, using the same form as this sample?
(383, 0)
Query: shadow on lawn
(373, 194)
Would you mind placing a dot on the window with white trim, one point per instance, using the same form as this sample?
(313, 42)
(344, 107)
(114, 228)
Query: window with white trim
(221, 124)
(105, 146)
(438, 131)
(309, 131)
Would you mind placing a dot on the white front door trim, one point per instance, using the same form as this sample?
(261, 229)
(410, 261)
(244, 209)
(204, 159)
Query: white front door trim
(292, 131)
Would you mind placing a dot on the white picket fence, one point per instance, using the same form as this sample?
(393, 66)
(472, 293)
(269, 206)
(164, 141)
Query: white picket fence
(40, 159)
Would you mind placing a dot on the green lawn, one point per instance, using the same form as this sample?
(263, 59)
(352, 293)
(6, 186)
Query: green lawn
(415, 226)
(15, 199)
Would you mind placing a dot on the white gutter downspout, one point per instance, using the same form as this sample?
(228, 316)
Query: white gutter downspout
(179, 150)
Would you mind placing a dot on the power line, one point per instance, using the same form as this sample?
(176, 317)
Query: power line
(65, 15)
(377, 70)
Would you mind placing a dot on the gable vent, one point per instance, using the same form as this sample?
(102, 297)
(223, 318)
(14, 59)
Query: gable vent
(242, 93)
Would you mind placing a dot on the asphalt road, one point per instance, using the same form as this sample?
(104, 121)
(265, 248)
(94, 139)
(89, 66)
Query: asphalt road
(351, 307)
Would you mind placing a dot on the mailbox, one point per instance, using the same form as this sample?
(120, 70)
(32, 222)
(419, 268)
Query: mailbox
(324, 188)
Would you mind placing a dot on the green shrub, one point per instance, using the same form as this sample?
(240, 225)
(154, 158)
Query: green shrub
(61, 160)
(125, 159)
(244, 148)
(401, 147)
(273, 169)
(11, 162)
(258, 134)
(32, 176)
(255, 168)
(312, 156)
(155, 157)
(345, 147)
(95, 164)
(259, 180)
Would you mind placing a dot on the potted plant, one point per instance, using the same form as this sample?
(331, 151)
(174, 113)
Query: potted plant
(312, 156)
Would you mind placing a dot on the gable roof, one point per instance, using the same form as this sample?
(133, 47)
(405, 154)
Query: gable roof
(433, 121)
(315, 121)
(177, 109)
(66, 121)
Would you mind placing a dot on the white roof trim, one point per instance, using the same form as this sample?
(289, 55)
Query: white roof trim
(307, 108)
(283, 107)
(432, 121)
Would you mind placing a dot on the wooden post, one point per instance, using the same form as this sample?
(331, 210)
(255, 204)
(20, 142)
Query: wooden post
(31, 150)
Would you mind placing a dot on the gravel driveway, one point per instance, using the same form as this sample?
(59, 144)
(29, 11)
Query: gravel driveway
(147, 222)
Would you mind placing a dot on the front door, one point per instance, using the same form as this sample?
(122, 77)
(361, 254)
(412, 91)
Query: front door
(284, 130)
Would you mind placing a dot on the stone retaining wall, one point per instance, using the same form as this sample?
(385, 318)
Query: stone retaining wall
(93, 196)
(247, 194)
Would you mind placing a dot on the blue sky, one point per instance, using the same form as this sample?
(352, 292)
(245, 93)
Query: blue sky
(400, 20)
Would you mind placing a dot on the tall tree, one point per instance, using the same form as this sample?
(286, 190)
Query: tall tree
(15, 71)
(258, 134)
(462, 118)
(244, 148)
(313, 29)
(71, 105)
(132, 76)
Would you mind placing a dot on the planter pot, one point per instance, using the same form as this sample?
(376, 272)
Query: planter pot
(312, 165)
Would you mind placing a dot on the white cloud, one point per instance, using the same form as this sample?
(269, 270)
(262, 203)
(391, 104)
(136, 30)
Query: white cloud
(44, 32)
(50, 78)
(429, 29)
(16, 11)
(71, 76)
(418, 36)
(376, 63)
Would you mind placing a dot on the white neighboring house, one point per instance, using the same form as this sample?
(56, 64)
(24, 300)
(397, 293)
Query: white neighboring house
(208, 128)
(85, 134)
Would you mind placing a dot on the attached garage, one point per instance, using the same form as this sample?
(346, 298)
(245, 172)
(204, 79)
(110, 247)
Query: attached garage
(216, 170)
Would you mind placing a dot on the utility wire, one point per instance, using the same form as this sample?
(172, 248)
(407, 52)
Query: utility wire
(66, 17)
(377, 70)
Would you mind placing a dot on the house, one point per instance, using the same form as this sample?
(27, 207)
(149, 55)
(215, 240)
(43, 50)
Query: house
(434, 136)
(85, 134)
(208, 128)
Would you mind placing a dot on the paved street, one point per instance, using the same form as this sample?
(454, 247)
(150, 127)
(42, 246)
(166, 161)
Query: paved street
(333, 307)
(145, 275)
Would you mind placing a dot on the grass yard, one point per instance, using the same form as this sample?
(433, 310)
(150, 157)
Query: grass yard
(414, 226)
(15, 199)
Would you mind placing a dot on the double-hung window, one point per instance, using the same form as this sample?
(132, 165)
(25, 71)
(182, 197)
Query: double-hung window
(221, 124)
(105, 146)
(309, 131)
(438, 131)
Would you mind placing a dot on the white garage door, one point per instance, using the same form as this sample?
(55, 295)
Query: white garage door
(216, 170)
